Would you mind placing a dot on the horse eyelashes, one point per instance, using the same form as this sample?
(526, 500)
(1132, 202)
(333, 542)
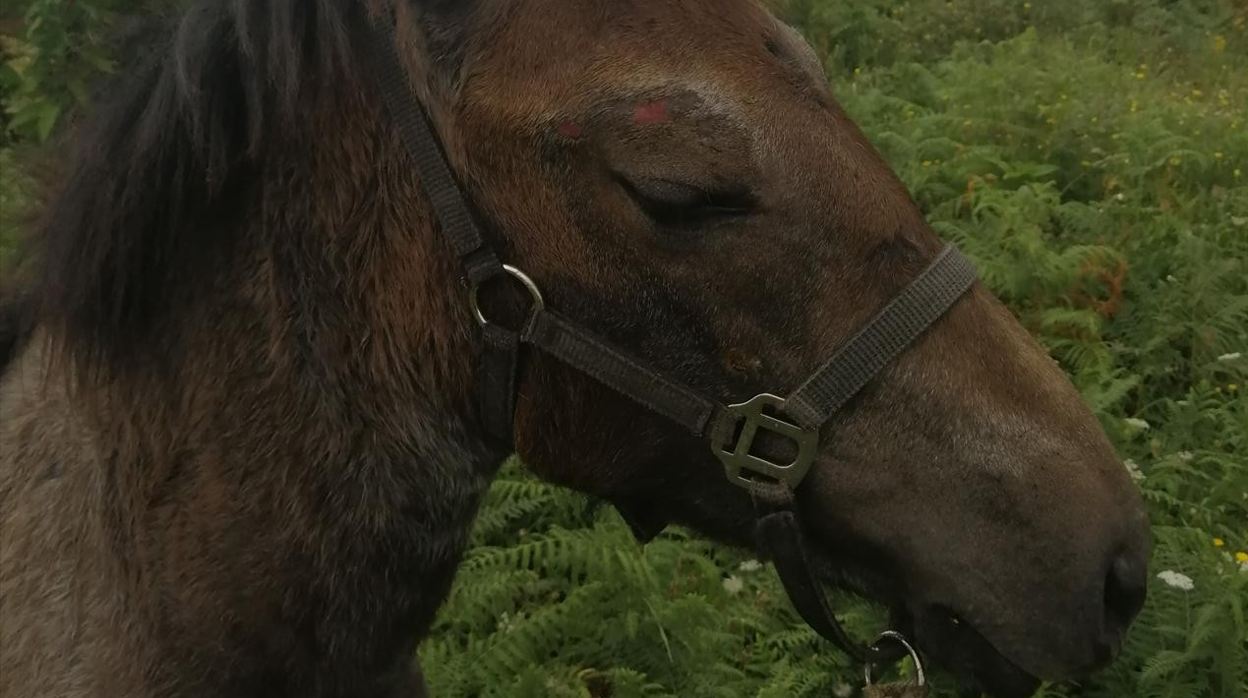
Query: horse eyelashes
(680, 206)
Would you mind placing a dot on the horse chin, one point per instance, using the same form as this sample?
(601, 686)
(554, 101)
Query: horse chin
(960, 648)
(950, 644)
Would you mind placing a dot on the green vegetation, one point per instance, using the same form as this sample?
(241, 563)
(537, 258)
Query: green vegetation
(1091, 156)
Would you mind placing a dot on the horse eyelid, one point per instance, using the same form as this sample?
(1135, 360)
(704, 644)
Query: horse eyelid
(664, 199)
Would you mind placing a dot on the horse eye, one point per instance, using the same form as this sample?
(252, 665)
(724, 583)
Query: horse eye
(680, 206)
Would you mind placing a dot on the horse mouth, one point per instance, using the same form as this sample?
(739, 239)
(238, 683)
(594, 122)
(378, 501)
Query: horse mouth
(956, 645)
(944, 640)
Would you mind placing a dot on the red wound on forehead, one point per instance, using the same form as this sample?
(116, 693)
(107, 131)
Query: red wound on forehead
(652, 113)
(569, 129)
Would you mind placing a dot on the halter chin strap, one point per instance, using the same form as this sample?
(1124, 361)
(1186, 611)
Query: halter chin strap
(730, 429)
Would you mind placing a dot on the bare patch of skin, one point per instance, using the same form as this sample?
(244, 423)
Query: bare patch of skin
(653, 113)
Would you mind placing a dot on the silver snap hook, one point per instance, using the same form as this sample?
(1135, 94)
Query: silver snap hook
(894, 636)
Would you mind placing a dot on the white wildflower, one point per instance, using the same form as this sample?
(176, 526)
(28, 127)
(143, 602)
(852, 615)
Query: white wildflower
(1120, 197)
(1134, 469)
(1234, 356)
(1137, 423)
(842, 690)
(1243, 567)
(733, 585)
(1238, 221)
(750, 566)
(1178, 580)
(1185, 456)
(1171, 279)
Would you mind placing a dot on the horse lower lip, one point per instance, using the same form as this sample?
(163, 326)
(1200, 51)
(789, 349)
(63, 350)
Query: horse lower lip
(962, 649)
(973, 659)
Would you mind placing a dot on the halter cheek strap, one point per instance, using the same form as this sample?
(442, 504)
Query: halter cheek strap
(732, 429)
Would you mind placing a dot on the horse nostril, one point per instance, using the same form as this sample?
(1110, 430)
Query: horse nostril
(1125, 587)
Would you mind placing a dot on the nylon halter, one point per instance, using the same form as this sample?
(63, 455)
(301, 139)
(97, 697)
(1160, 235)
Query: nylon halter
(731, 429)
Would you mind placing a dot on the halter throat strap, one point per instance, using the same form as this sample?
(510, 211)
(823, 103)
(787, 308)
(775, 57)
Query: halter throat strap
(731, 429)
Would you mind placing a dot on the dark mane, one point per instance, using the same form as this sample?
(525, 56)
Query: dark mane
(170, 146)
(16, 315)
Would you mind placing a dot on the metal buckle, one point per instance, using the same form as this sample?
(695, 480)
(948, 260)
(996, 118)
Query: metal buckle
(737, 459)
(534, 293)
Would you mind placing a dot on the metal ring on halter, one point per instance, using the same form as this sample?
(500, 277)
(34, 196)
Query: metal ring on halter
(534, 292)
(901, 640)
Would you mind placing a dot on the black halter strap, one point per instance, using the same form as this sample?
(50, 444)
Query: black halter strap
(731, 429)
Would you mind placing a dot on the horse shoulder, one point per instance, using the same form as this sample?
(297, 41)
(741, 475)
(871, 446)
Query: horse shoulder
(58, 634)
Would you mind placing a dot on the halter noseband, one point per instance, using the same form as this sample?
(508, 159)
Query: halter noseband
(730, 429)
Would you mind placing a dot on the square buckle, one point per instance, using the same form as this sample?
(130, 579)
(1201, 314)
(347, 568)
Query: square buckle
(739, 463)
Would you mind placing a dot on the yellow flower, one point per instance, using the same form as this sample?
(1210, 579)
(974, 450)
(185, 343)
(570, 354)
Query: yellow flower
(1217, 155)
(1241, 557)
(1218, 542)
(1232, 387)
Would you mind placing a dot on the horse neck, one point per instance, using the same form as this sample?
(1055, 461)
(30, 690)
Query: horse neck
(334, 349)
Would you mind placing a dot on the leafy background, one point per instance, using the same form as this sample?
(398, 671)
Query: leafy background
(1089, 154)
